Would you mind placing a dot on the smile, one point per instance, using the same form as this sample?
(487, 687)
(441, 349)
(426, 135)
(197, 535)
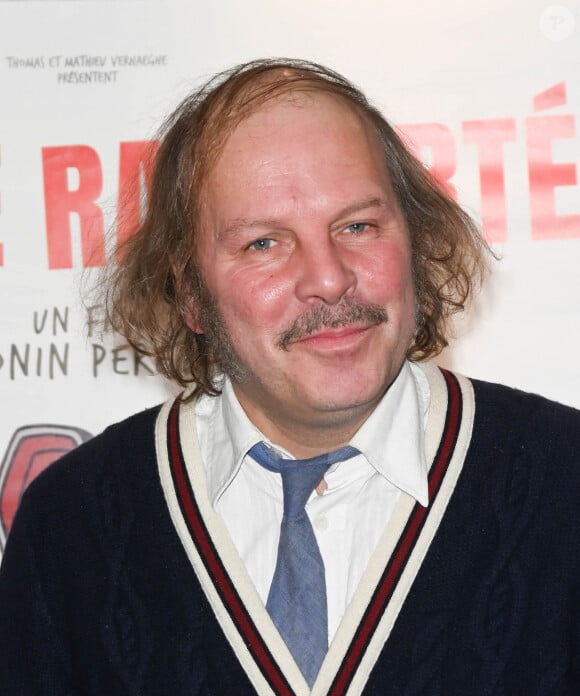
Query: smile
(342, 337)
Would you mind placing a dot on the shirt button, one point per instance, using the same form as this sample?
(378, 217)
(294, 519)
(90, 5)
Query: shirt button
(321, 523)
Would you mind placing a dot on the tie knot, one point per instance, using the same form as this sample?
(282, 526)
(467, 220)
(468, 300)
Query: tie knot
(299, 479)
(299, 476)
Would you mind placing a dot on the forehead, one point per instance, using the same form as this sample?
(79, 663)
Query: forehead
(294, 117)
(298, 146)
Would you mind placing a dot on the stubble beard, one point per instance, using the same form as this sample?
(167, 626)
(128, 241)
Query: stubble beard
(219, 345)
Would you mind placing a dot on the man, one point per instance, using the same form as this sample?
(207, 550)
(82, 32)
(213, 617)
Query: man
(295, 264)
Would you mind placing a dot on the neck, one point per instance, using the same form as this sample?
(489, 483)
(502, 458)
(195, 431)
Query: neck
(303, 437)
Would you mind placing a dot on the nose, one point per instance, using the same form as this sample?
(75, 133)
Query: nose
(324, 273)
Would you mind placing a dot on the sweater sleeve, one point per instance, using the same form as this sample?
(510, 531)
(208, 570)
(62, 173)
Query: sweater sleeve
(33, 658)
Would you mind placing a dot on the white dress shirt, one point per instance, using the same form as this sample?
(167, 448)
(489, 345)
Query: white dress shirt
(349, 517)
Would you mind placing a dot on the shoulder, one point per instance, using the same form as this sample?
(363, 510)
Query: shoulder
(533, 415)
(123, 455)
(528, 440)
(522, 468)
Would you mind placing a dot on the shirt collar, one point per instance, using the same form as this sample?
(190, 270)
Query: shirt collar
(391, 439)
(230, 435)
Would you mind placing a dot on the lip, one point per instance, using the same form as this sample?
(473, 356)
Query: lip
(342, 337)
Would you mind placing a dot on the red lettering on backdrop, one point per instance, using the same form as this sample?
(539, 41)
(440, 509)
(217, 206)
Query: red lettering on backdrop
(439, 141)
(545, 175)
(490, 136)
(551, 97)
(135, 165)
(60, 202)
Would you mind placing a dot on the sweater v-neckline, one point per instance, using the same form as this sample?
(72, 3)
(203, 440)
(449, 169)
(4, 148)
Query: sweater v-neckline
(394, 564)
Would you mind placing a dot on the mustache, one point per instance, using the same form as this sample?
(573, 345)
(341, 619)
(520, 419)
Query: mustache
(325, 317)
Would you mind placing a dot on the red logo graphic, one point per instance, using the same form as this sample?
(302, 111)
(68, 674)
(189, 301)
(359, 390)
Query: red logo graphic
(31, 449)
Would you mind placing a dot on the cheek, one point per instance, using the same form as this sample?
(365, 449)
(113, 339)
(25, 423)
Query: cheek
(390, 273)
(258, 291)
(258, 301)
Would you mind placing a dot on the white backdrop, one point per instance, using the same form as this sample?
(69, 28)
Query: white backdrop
(488, 93)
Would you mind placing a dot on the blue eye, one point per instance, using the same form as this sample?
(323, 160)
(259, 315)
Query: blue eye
(357, 227)
(261, 244)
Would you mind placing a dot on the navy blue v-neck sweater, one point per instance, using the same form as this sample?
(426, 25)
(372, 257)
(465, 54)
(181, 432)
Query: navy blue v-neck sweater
(98, 596)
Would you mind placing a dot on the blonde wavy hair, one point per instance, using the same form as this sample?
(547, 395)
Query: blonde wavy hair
(150, 293)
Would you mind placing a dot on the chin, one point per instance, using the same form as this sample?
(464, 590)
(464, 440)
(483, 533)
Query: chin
(333, 401)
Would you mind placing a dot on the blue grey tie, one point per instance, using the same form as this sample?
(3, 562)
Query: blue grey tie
(297, 597)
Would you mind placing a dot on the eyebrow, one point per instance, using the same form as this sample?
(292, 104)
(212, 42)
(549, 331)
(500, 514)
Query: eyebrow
(362, 205)
(241, 223)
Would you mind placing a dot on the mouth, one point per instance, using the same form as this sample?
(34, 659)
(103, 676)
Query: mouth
(342, 337)
(325, 325)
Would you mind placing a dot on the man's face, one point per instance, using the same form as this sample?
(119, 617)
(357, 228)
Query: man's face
(306, 255)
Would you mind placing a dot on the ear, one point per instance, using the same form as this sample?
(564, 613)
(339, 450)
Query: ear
(191, 311)
(191, 316)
